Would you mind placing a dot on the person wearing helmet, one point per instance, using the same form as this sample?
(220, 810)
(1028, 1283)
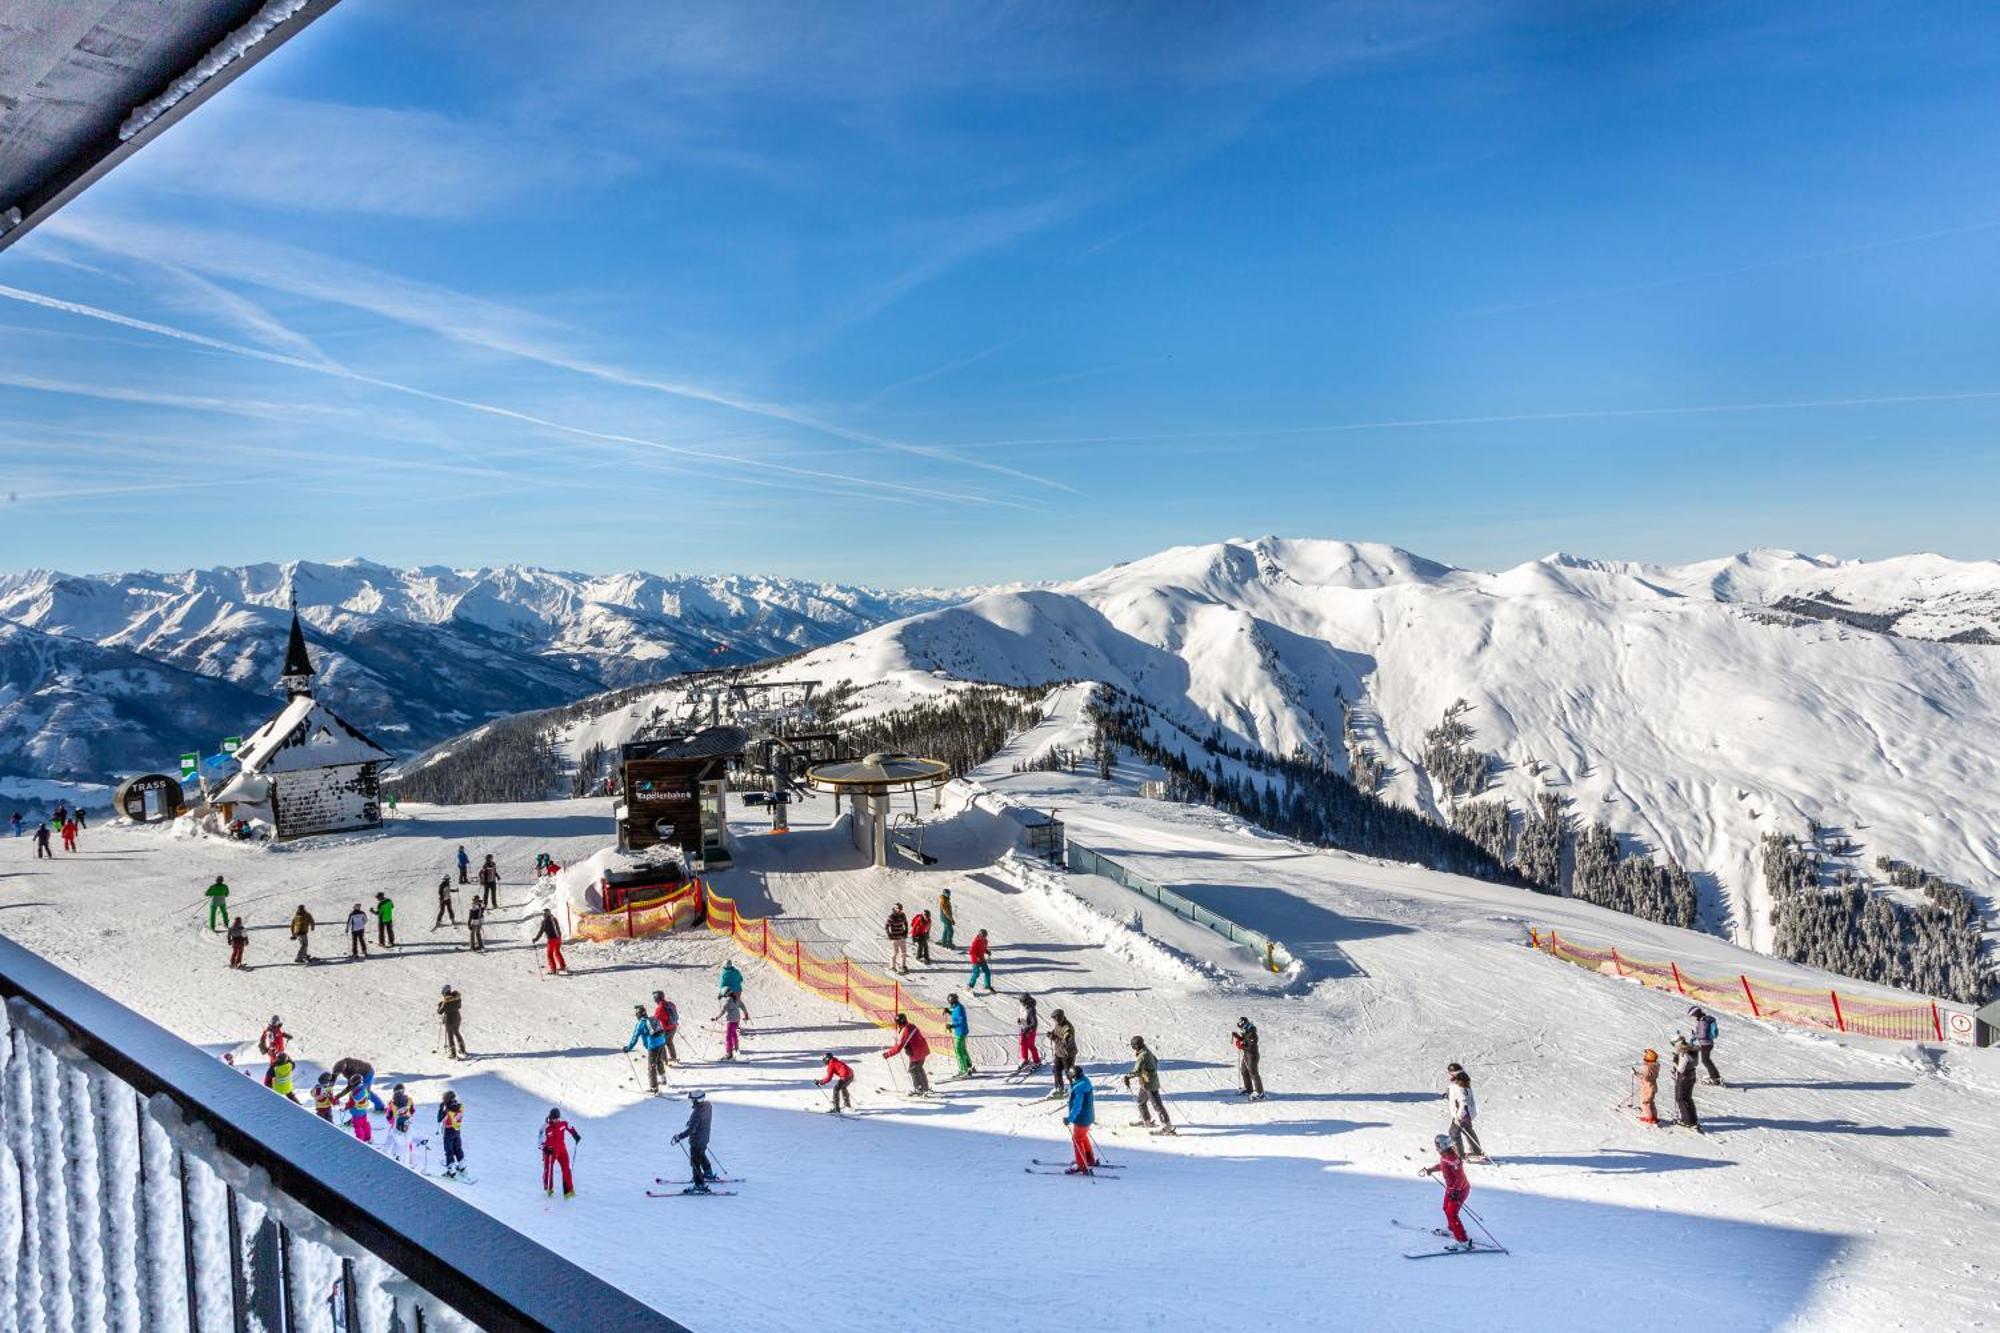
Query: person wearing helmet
(913, 1045)
(1451, 1172)
(1245, 1039)
(646, 1032)
(451, 1120)
(700, 1117)
(669, 1018)
(1080, 1115)
(555, 1153)
(1685, 1067)
(1648, 1086)
(1062, 1050)
(324, 1096)
(402, 1112)
(960, 1024)
(1702, 1031)
(1458, 1092)
(841, 1075)
(449, 1009)
(1146, 1069)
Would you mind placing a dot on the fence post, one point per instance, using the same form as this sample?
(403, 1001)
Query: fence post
(798, 962)
(896, 988)
(767, 937)
(1616, 965)
(1839, 1020)
(629, 932)
(1749, 995)
(1937, 1023)
(846, 984)
(1534, 938)
(1677, 976)
(1555, 943)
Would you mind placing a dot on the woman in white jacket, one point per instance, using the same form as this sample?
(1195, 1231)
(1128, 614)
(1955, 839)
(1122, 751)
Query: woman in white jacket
(1458, 1090)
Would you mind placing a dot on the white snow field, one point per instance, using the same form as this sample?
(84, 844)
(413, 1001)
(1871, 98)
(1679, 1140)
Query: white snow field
(1843, 1185)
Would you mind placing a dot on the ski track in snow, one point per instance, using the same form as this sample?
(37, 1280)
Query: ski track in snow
(1847, 1186)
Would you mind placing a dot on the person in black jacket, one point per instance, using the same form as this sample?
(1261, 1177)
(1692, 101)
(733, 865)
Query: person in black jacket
(1245, 1039)
(700, 1113)
(1685, 1067)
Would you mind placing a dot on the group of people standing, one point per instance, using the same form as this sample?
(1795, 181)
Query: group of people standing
(1694, 1057)
(64, 822)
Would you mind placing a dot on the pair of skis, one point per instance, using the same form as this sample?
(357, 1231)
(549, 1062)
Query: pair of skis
(690, 1191)
(1470, 1247)
(1044, 1167)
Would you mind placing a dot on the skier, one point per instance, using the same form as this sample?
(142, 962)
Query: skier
(69, 835)
(551, 932)
(945, 919)
(912, 1044)
(273, 1039)
(489, 881)
(218, 902)
(450, 1003)
(1648, 1076)
(446, 912)
(898, 931)
(669, 1019)
(464, 864)
(1451, 1171)
(475, 926)
(1062, 1050)
(841, 1075)
(1702, 1037)
(1080, 1116)
(77, 815)
(302, 927)
(733, 1015)
(980, 966)
(357, 1115)
(1686, 1064)
(1146, 1068)
(1029, 1024)
(239, 936)
(730, 983)
(700, 1113)
(961, 1029)
(402, 1110)
(385, 921)
(357, 933)
(360, 1077)
(42, 846)
(555, 1153)
(1458, 1091)
(324, 1095)
(920, 936)
(646, 1032)
(1245, 1039)
(279, 1077)
(451, 1119)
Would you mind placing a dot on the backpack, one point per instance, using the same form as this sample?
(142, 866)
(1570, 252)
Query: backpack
(1709, 1029)
(673, 1015)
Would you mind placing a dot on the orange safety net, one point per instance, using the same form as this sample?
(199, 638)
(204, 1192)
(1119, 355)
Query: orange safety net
(877, 998)
(1865, 1016)
(678, 908)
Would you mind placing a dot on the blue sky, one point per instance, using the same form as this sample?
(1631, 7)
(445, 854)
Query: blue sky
(921, 294)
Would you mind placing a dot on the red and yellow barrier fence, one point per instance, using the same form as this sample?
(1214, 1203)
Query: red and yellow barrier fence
(1863, 1015)
(875, 997)
(679, 908)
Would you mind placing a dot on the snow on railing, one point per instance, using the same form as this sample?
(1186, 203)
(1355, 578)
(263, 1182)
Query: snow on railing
(1086, 861)
(1760, 997)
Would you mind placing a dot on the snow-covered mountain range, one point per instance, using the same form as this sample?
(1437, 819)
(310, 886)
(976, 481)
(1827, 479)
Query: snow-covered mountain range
(411, 655)
(1692, 708)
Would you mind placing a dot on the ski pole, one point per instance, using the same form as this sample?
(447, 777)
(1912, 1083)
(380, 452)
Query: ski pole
(1480, 1222)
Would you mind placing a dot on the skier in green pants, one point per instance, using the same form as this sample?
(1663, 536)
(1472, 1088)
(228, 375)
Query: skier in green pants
(944, 919)
(218, 905)
(961, 1028)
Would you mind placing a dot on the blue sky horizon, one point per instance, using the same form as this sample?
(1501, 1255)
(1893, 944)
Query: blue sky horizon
(1015, 292)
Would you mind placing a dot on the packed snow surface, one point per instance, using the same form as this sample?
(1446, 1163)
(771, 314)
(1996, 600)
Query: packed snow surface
(1840, 1186)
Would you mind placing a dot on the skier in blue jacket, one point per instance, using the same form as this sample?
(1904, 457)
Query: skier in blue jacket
(646, 1032)
(1082, 1115)
(961, 1028)
(731, 983)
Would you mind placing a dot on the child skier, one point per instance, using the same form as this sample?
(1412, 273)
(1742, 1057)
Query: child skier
(1080, 1116)
(733, 1015)
(1648, 1076)
(357, 1115)
(912, 1044)
(961, 1029)
(1451, 1171)
(841, 1075)
(357, 933)
(324, 1097)
(555, 1153)
(451, 1119)
(402, 1110)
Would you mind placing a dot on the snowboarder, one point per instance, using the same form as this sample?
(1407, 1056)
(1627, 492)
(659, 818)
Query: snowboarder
(450, 1006)
(700, 1114)
(302, 927)
(555, 1154)
(1080, 1116)
(730, 983)
(464, 864)
(898, 931)
(961, 1029)
(385, 921)
(551, 932)
(1647, 1087)
(218, 902)
(402, 1110)
(239, 937)
(1702, 1036)
(945, 919)
(1245, 1040)
(1062, 1050)
(733, 1015)
(841, 1075)
(646, 1032)
(1146, 1068)
(475, 926)
(451, 1119)
(981, 968)
(1686, 1064)
(1029, 1023)
(911, 1044)
(446, 910)
(669, 1019)
(357, 933)
(324, 1095)
(920, 936)
(1451, 1171)
(489, 881)
(42, 849)
(1458, 1091)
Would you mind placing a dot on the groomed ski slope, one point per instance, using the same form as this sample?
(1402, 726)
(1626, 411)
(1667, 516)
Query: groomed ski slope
(1844, 1187)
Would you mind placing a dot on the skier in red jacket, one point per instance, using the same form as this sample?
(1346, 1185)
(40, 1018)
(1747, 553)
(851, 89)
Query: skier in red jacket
(841, 1075)
(555, 1153)
(911, 1043)
(1451, 1171)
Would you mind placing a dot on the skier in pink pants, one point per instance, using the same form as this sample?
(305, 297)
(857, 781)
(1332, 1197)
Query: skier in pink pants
(734, 1014)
